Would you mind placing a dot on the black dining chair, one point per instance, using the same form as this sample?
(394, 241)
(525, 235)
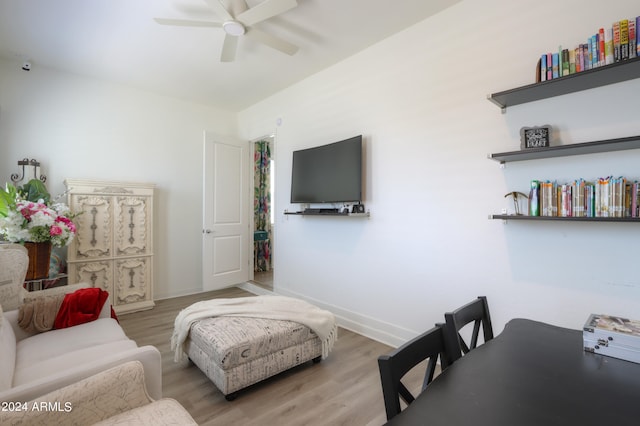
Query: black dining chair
(396, 364)
(476, 312)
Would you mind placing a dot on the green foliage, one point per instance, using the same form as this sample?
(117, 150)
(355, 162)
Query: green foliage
(7, 199)
(35, 190)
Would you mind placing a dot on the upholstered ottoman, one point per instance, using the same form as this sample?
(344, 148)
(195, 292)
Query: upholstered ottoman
(236, 352)
(240, 341)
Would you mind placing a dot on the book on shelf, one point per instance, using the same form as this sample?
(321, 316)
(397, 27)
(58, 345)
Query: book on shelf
(606, 197)
(619, 42)
(624, 39)
(578, 192)
(633, 41)
(565, 62)
(628, 188)
(543, 68)
(638, 36)
(608, 46)
(548, 199)
(601, 42)
(616, 41)
(635, 195)
(564, 201)
(586, 56)
(572, 61)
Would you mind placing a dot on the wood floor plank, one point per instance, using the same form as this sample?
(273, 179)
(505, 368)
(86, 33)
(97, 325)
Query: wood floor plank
(343, 389)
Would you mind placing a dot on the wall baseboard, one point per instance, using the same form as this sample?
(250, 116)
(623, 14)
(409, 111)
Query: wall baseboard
(372, 328)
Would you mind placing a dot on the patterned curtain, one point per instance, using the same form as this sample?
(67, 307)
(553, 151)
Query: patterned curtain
(262, 206)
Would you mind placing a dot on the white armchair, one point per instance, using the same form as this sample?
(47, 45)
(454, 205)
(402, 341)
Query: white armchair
(113, 397)
(32, 365)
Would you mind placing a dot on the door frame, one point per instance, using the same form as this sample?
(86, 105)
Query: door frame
(272, 138)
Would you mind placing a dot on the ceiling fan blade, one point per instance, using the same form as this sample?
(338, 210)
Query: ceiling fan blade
(265, 10)
(219, 9)
(187, 23)
(229, 48)
(271, 41)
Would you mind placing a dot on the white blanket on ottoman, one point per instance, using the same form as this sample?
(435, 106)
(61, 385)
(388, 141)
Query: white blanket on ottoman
(270, 307)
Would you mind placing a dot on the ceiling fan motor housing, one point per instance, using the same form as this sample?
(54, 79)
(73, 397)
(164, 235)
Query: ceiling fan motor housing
(233, 28)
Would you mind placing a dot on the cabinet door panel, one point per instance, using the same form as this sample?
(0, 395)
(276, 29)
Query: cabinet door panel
(132, 281)
(99, 274)
(94, 226)
(132, 227)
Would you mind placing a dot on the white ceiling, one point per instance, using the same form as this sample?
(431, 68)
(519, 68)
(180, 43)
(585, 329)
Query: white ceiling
(118, 41)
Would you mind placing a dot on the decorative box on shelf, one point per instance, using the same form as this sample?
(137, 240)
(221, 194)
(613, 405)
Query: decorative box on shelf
(612, 336)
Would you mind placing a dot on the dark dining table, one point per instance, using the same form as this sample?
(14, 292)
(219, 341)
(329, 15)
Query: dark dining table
(535, 374)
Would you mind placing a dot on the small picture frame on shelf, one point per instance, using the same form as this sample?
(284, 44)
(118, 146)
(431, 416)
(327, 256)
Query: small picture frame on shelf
(535, 137)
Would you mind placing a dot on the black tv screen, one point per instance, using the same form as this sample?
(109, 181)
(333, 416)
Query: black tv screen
(329, 173)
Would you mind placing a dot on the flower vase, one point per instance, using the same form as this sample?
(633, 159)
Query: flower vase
(39, 258)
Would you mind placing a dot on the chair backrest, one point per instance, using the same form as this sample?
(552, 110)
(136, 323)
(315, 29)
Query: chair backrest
(395, 365)
(476, 312)
(14, 262)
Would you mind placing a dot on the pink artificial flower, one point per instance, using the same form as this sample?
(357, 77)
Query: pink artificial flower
(69, 224)
(55, 230)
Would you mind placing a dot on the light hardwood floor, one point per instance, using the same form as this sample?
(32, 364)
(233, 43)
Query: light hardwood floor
(343, 389)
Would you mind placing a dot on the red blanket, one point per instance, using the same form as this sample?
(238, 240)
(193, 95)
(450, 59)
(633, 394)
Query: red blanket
(81, 306)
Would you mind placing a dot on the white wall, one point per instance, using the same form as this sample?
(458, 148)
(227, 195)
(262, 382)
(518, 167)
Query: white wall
(82, 128)
(419, 99)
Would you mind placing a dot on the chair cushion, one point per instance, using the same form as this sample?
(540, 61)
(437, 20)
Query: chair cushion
(166, 411)
(64, 341)
(7, 353)
(26, 373)
(231, 341)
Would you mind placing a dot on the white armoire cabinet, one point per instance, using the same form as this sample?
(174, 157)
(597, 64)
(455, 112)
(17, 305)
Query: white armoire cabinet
(113, 247)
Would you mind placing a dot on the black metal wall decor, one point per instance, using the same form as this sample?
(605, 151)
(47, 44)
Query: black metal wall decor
(15, 177)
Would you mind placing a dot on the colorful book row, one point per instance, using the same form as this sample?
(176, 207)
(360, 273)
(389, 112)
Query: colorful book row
(606, 197)
(607, 46)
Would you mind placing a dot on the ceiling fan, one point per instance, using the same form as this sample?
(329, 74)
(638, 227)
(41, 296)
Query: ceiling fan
(238, 20)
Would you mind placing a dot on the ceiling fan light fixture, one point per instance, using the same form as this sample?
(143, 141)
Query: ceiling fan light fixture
(233, 28)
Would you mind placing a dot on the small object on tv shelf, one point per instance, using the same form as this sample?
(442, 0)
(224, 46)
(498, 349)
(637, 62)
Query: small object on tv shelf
(535, 137)
(612, 336)
(357, 208)
(534, 198)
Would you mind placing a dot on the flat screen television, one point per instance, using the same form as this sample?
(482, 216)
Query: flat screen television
(329, 173)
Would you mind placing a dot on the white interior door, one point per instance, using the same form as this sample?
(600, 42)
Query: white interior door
(225, 234)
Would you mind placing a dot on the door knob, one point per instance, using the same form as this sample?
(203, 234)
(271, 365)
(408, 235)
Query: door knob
(207, 231)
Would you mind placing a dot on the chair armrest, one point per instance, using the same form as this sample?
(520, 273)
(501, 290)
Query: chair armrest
(88, 401)
(12, 316)
(149, 356)
(54, 291)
